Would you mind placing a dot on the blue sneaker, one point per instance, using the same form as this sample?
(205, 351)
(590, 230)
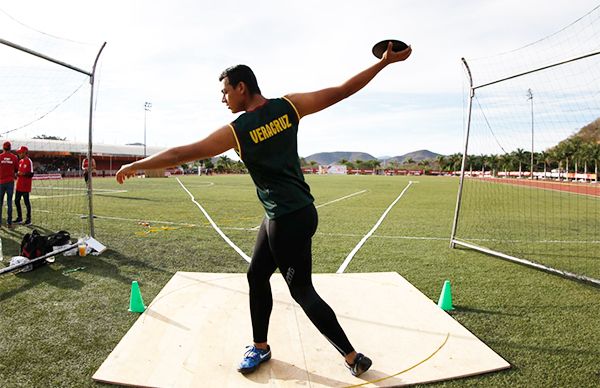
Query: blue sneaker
(253, 358)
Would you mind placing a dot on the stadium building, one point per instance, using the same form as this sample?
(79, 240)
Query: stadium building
(65, 157)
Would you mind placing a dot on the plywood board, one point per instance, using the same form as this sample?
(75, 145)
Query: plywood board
(194, 332)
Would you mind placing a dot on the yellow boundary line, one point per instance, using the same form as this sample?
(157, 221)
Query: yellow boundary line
(405, 370)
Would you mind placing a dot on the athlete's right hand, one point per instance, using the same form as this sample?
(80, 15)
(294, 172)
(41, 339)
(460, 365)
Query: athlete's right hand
(126, 171)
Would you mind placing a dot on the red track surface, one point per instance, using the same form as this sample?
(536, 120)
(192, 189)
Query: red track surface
(570, 187)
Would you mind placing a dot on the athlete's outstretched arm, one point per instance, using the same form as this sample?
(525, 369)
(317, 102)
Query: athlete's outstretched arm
(308, 103)
(216, 143)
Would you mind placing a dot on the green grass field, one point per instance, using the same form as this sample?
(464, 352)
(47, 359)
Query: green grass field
(555, 228)
(57, 328)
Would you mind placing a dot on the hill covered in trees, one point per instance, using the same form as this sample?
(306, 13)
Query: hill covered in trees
(579, 152)
(590, 133)
(325, 158)
(416, 156)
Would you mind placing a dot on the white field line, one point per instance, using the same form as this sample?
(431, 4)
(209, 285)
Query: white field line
(340, 199)
(417, 238)
(328, 203)
(78, 189)
(424, 238)
(227, 240)
(77, 194)
(366, 236)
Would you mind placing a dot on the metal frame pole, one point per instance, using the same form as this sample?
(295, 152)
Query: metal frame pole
(89, 151)
(530, 95)
(147, 107)
(464, 159)
(40, 55)
(92, 76)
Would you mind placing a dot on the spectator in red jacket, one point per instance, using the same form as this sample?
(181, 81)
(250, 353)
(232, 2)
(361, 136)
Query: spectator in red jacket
(85, 166)
(24, 178)
(8, 171)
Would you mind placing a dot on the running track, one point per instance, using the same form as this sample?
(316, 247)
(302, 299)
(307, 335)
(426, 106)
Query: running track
(570, 187)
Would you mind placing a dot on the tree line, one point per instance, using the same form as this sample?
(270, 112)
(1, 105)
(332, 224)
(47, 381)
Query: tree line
(571, 155)
(373, 164)
(222, 165)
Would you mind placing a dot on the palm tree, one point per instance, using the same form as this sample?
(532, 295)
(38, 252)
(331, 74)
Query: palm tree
(505, 162)
(482, 161)
(568, 149)
(519, 156)
(239, 167)
(596, 155)
(223, 163)
(557, 153)
(492, 161)
(455, 161)
(442, 162)
(471, 159)
(545, 158)
(586, 153)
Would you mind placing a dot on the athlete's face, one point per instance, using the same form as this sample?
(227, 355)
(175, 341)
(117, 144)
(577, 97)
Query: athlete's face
(233, 97)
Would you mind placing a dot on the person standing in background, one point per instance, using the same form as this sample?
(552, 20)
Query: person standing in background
(24, 178)
(8, 171)
(85, 166)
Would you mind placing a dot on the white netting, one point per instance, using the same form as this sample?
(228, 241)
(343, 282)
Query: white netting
(547, 211)
(45, 107)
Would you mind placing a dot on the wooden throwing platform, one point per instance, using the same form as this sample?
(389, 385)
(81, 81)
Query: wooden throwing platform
(194, 332)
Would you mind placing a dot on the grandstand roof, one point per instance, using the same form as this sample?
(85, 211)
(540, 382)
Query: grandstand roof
(44, 145)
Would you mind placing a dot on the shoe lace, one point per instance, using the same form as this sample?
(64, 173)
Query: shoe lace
(252, 352)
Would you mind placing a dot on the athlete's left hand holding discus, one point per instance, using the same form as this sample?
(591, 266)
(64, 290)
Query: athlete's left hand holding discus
(217, 142)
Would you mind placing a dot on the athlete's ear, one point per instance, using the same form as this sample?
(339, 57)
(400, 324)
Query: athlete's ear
(241, 87)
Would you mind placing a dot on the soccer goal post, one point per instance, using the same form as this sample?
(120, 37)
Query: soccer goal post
(528, 189)
(41, 98)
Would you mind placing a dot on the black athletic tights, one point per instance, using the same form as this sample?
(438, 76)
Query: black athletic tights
(285, 243)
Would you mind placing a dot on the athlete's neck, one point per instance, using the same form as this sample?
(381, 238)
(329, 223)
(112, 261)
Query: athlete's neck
(255, 102)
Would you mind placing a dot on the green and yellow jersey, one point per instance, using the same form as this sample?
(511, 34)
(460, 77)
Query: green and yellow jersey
(267, 144)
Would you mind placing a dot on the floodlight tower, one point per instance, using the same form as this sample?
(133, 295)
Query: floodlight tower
(530, 98)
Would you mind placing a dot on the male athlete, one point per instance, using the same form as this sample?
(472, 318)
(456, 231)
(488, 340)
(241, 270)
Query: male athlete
(265, 138)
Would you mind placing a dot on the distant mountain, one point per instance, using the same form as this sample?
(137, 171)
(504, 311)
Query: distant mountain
(588, 134)
(416, 156)
(324, 158)
(591, 132)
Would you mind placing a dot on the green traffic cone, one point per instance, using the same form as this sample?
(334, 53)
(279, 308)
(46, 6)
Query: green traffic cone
(445, 301)
(136, 303)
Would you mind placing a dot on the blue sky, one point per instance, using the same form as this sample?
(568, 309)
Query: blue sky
(171, 53)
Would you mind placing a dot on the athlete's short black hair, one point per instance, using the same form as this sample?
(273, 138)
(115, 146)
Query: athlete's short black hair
(241, 73)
